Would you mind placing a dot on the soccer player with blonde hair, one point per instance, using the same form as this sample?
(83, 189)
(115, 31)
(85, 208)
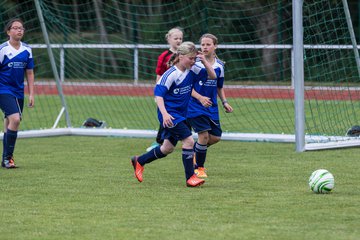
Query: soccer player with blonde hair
(174, 38)
(172, 94)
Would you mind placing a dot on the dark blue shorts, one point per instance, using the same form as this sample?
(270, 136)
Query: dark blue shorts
(10, 104)
(177, 133)
(203, 123)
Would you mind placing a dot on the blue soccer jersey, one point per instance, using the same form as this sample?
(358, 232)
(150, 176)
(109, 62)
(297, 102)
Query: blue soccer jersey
(13, 63)
(175, 88)
(207, 87)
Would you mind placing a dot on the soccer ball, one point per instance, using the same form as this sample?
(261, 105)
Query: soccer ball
(321, 181)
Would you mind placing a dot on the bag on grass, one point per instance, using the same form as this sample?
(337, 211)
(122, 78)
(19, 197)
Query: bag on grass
(354, 131)
(93, 123)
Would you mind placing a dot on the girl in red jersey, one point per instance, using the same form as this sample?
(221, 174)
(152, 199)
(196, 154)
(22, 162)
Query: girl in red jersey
(174, 37)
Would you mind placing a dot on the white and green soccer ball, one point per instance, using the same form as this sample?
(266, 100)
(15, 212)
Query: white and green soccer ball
(321, 181)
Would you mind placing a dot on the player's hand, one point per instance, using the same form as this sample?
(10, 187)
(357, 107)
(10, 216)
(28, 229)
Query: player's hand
(31, 101)
(228, 108)
(201, 56)
(167, 120)
(205, 101)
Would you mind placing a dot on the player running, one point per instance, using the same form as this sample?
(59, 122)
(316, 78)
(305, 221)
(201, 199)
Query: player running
(172, 94)
(203, 112)
(174, 37)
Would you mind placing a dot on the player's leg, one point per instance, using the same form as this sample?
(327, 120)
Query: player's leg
(183, 132)
(187, 157)
(200, 148)
(6, 123)
(159, 139)
(11, 137)
(12, 107)
(158, 152)
(213, 140)
(201, 125)
(215, 132)
(213, 136)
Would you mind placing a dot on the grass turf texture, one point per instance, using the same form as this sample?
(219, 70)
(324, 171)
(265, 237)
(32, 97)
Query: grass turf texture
(83, 188)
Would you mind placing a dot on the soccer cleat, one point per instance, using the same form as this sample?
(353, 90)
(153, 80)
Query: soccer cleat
(201, 172)
(138, 169)
(194, 181)
(152, 146)
(8, 163)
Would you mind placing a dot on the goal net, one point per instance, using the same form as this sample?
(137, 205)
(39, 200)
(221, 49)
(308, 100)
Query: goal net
(105, 53)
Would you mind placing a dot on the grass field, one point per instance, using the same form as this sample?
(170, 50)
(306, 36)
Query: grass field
(83, 188)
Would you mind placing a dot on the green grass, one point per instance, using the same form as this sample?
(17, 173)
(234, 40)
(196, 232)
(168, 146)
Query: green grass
(83, 188)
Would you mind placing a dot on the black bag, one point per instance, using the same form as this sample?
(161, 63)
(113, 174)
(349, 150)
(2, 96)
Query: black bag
(354, 131)
(93, 123)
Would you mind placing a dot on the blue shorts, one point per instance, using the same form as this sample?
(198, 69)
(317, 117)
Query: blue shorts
(204, 123)
(177, 133)
(10, 104)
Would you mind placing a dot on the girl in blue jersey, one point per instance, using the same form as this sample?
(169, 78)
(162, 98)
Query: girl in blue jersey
(203, 112)
(16, 61)
(172, 94)
(174, 37)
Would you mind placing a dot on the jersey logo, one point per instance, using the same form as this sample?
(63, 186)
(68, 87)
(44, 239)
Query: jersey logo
(176, 91)
(16, 64)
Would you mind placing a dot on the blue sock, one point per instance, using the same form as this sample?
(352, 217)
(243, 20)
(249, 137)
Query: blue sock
(200, 152)
(187, 157)
(11, 137)
(4, 147)
(151, 156)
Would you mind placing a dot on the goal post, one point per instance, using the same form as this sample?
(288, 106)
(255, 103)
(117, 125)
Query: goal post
(98, 60)
(298, 71)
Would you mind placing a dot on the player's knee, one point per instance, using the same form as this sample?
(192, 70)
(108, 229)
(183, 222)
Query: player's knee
(167, 149)
(14, 120)
(204, 138)
(188, 143)
(213, 140)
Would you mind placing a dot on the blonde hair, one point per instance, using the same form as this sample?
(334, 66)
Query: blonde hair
(172, 31)
(214, 39)
(185, 48)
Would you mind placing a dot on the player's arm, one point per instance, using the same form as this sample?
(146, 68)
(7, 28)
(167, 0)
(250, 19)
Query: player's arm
(159, 67)
(205, 101)
(210, 70)
(226, 105)
(167, 118)
(30, 82)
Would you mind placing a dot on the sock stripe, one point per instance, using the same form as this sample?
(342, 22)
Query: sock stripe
(189, 153)
(200, 148)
